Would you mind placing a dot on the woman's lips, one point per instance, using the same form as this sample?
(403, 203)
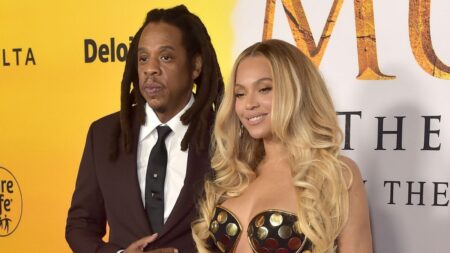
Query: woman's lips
(256, 119)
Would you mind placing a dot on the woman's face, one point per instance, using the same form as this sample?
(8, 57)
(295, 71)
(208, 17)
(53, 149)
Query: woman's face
(253, 94)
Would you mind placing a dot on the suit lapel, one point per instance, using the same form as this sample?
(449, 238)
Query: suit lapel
(140, 218)
(197, 166)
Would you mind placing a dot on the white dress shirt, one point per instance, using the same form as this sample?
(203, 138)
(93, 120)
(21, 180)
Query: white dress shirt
(176, 158)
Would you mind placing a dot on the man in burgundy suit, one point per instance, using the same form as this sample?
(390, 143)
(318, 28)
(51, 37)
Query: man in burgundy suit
(142, 166)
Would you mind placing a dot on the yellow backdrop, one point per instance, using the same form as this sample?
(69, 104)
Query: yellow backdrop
(49, 96)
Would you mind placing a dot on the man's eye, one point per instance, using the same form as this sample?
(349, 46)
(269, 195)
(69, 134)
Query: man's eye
(142, 58)
(166, 58)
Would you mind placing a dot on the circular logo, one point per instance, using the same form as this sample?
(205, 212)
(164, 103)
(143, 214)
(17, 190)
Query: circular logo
(10, 203)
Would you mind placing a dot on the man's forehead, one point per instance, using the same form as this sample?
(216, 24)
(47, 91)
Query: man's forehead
(159, 48)
(162, 29)
(160, 36)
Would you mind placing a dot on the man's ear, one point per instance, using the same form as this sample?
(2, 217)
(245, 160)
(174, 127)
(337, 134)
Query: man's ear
(197, 66)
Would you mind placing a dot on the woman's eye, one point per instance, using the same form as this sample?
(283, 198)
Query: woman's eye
(238, 95)
(265, 90)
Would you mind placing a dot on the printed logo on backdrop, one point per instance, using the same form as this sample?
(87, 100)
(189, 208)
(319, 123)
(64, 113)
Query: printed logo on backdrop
(17, 57)
(105, 52)
(10, 203)
(419, 34)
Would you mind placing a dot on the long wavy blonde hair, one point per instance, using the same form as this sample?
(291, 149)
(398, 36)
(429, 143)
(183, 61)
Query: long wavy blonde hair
(304, 120)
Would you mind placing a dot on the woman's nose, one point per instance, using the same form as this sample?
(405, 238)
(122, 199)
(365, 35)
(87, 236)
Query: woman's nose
(251, 102)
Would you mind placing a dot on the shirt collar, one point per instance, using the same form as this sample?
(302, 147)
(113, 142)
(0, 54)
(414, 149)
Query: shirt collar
(152, 120)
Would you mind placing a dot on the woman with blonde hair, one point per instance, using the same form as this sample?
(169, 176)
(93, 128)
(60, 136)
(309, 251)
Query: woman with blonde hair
(279, 184)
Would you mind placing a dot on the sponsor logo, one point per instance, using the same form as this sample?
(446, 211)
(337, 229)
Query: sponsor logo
(10, 203)
(105, 52)
(17, 57)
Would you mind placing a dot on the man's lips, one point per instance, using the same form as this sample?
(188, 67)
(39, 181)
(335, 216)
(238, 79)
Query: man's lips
(152, 88)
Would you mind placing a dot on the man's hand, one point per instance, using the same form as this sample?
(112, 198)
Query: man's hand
(139, 246)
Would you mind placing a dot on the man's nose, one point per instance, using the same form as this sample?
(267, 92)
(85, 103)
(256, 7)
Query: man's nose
(152, 67)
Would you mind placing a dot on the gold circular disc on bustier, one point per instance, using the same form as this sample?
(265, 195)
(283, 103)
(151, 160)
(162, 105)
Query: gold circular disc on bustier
(214, 227)
(306, 251)
(276, 219)
(259, 221)
(222, 217)
(231, 229)
(284, 232)
(262, 233)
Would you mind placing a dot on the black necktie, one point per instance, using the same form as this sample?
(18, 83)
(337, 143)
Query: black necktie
(154, 181)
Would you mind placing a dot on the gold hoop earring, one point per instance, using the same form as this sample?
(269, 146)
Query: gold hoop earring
(241, 129)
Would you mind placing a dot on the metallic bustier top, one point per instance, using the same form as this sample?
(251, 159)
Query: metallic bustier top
(271, 231)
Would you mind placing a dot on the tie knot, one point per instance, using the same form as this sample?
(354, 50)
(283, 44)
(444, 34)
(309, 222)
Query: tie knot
(163, 132)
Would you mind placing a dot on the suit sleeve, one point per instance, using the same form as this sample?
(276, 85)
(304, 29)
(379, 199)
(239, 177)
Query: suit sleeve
(86, 221)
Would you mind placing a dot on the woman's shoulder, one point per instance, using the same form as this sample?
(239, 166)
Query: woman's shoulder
(356, 234)
(348, 162)
(352, 173)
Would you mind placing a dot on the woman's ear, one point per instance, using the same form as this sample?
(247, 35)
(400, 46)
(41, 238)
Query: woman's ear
(197, 64)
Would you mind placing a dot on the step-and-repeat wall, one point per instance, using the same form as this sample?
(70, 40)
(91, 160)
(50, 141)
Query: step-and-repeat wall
(387, 64)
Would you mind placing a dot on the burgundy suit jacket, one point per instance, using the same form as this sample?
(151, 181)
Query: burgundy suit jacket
(107, 192)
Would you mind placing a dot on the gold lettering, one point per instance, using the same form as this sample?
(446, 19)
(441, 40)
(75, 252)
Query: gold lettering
(268, 19)
(366, 42)
(420, 39)
(301, 31)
